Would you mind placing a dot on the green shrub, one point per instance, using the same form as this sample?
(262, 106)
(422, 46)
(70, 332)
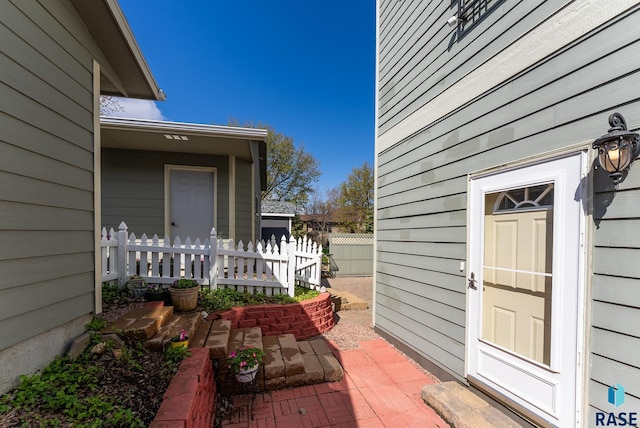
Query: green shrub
(226, 298)
(111, 292)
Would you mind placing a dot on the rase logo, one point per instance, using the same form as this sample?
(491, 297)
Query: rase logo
(612, 419)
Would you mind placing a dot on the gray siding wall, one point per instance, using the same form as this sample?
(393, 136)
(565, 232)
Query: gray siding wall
(46, 169)
(561, 100)
(244, 201)
(133, 188)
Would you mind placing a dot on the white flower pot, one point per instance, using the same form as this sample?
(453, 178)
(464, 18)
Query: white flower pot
(247, 375)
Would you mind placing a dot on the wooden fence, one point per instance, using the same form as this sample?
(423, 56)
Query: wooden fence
(268, 267)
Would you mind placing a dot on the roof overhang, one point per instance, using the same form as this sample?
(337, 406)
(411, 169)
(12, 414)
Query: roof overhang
(180, 137)
(127, 73)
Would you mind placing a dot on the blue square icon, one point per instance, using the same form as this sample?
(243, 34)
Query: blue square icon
(616, 394)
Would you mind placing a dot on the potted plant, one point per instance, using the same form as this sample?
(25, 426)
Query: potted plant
(137, 286)
(184, 294)
(179, 340)
(154, 293)
(244, 362)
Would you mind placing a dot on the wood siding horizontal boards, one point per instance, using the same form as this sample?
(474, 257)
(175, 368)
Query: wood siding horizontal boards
(619, 233)
(439, 234)
(528, 93)
(613, 261)
(497, 129)
(24, 109)
(25, 189)
(447, 250)
(506, 79)
(610, 372)
(616, 346)
(401, 329)
(598, 394)
(19, 216)
(615, 290)
(16, 161)
(431, 328)
(29, 324)
(388, 10)
(603, 317)
(27, 298)
(74, 59)
(26, 243)
(33, 61)
(59, 24)
(438, 205)
(409, 32)
(425, 79)
(437, 264)
(621, 205)
(28, 137)
(443, 288)
(445, 219)
(42, 92)
(49, 268)
(403, 191)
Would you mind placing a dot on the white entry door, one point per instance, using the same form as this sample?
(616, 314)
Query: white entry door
(191, 203)
(525, 285)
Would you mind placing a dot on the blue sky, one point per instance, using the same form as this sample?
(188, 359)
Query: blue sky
(305, 68)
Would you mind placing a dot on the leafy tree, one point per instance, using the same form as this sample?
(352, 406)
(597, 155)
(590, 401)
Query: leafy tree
(291, 171)
(355, 202)
(323, 208)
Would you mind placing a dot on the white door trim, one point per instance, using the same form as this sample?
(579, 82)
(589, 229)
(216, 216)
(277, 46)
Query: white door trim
(471, 348)
(167, 192)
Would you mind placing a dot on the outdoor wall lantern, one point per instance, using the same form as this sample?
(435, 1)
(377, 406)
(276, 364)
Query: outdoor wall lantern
(618, 148)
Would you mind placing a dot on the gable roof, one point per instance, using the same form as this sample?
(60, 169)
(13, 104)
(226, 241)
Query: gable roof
(127, 73)
(285, 209)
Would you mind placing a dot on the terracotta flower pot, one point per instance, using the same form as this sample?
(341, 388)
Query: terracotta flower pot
(184, 299)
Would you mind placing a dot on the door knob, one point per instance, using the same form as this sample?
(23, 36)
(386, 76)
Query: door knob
(173, 223)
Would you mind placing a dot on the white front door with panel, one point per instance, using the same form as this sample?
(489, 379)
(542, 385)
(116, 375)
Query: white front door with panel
(525, 285)
(191, 203)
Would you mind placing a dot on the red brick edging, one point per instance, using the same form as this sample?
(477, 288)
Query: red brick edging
(190, 399)
(304, 319)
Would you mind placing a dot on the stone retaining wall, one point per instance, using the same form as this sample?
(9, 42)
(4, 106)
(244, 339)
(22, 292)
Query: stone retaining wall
(304, 320)
(190, 400)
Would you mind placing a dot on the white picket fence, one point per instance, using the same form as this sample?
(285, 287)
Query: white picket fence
(217, 263)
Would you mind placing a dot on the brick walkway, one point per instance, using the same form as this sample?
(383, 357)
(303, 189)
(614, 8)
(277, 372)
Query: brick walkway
(380, 389)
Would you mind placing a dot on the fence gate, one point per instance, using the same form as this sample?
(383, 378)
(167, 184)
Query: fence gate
(352, 253)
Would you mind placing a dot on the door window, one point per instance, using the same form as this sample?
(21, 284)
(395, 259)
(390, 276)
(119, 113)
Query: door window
(517, 271)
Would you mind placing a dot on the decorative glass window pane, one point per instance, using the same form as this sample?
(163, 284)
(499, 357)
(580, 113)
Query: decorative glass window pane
(540, 196)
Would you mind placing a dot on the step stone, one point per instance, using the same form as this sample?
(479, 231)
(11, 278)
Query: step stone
(218, 340)
(461, 408)
(332, 369)
(314, 372)
(293, 362)
(200, 337)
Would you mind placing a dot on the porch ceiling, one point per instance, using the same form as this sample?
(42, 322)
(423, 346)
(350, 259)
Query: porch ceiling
(132, 134)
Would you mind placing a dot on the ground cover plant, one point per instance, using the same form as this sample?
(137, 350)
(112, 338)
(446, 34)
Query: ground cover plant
(121, 387)
(226, 298)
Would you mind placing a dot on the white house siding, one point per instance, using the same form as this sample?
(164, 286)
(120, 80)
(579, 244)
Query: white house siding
(46, 174)
(530, 78)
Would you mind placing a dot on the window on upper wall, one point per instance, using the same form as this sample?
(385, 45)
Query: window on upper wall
(472, 12)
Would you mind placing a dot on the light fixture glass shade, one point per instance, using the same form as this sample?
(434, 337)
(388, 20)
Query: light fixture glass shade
(618, 148)
(615, 155)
